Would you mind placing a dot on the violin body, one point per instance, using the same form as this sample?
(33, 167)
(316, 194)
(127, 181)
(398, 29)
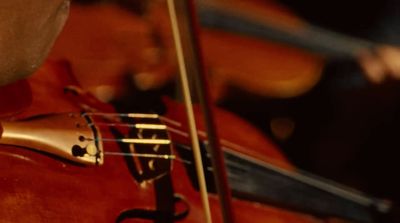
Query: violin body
(39, 186)
(104, 33)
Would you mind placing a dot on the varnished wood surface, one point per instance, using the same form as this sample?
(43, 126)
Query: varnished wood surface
(37, 187)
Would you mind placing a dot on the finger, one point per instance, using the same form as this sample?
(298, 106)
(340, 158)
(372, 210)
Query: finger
(390, 57)
(372, 66)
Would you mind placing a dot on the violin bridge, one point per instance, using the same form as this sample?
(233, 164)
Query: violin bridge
(148, 140)
(62, 135)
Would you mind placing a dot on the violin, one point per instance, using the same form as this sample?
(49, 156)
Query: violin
(235, 44)
(76, 159)
(97, 40)
(59, 166)
(65, 156)
(269, 21)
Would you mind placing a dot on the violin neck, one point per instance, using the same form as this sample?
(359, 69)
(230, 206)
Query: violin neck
(318, 40)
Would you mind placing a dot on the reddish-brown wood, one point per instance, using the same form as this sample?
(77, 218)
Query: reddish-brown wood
(39, 188)
(22, 90)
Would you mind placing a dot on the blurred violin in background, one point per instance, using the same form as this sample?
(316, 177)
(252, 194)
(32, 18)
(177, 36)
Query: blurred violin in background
(269, 51)
(230, 58)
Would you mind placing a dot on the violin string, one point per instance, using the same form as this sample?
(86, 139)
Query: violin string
(145, 126)
(168, 128)
(150, 141)
(134, 115)
(136, 126)
(170, 121)
(322, 184)
(163, 118)
(302, 176)
(142, 155)
(147, 155)
(339, 190)
(131, 140)
(124, 115)
(142, 141)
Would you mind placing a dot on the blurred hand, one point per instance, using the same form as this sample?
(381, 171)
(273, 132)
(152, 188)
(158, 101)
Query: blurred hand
(381, 64)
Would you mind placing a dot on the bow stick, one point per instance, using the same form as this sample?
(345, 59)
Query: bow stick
(190, 61)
